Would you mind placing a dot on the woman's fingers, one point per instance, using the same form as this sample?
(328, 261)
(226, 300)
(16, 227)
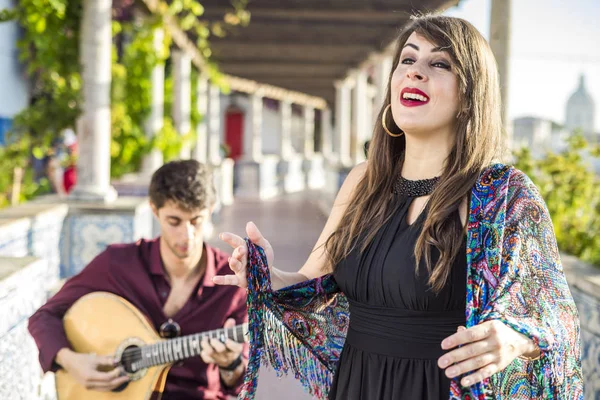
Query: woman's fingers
(232, 280)
(232, 239)
(257, 238)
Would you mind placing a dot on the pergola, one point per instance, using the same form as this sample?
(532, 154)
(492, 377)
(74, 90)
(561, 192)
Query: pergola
(306, 45)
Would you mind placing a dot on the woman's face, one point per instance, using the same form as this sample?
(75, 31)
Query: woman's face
(424, 88)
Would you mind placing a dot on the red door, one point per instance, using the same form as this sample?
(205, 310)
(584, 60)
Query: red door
(234, 131)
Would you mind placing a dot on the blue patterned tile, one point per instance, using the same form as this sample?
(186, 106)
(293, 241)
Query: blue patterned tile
(86, 235)
(23, 289)
(14, 239)
(20, 371)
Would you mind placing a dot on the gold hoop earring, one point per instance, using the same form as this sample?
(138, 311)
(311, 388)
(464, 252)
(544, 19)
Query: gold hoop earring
(385, 128)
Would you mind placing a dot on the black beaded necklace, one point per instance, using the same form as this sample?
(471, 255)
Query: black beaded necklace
(422, 187)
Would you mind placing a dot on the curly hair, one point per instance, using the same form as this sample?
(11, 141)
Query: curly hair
(187, 183)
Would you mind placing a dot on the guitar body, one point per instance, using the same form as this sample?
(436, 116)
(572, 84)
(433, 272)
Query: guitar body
(106, 324)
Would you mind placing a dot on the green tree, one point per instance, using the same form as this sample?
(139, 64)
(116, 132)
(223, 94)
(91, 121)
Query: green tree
(571, 190)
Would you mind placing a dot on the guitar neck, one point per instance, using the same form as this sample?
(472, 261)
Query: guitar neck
(178, 349)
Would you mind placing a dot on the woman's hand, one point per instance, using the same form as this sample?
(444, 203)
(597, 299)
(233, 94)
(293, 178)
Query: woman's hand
(239, 257)
(486, 349)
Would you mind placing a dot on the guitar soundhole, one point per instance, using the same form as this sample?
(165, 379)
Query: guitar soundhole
(131, 359)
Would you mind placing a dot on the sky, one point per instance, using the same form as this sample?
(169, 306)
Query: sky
(552, 43)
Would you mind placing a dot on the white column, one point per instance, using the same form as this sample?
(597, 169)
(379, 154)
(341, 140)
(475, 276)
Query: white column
(256, 127)
(93, 126)
(214, 124)
(500, 44)
(342, 121)
(359, 116)
(201, 147)
(182, 98)
(285, 114)
(154, 123)
(372, 110)
(383, 67)
(326, 139)
(309, 131)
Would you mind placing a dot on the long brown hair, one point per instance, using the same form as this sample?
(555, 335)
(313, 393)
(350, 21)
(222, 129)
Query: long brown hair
(477, 143)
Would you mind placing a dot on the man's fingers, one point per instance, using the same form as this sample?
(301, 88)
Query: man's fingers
(232, 239)
(230, 323)
(108, 386)
(234, 346)
(99, 377)
(217, 346)
(108, 361)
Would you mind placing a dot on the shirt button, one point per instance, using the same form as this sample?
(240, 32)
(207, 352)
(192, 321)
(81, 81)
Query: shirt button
(163, 293)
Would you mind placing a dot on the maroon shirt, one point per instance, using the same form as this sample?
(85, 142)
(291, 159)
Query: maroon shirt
(135, 272)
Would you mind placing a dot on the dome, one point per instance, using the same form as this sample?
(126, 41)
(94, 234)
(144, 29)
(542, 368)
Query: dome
(581, 95)
(580, 109)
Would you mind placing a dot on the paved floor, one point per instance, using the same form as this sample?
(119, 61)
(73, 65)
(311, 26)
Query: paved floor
(292, 224)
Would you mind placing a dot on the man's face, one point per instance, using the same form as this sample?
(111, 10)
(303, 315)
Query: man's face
(181, 230)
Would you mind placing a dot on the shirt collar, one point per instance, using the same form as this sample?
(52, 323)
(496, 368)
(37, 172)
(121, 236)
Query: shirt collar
(157, 266)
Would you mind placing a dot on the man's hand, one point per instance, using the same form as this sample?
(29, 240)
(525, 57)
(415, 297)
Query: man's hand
(84, 368)
(223, 354)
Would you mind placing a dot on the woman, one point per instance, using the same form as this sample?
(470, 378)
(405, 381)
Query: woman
(448, 264)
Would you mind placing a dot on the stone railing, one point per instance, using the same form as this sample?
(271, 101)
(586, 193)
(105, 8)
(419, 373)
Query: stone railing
(584, 281)
(41, 242)
(23, 289)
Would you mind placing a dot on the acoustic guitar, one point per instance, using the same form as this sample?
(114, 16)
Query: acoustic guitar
(106, 324)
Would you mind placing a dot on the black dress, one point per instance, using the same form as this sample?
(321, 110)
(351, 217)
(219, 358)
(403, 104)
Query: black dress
(397, 323)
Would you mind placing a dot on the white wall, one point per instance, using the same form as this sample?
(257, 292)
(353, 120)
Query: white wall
(12, 75)
(271, 124)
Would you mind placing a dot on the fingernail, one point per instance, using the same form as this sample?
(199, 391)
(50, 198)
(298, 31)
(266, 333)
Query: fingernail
(466, 382)
(443, 363)
(451, 372)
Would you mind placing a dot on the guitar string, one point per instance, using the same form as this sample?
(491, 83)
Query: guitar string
(136, 353)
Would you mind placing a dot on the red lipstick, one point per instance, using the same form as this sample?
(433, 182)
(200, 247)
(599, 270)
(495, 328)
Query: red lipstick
(419, 97)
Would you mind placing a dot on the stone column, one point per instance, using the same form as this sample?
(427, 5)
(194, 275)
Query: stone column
(359, 116)
(326, 144)
(182, 98)
(500, 44)
(291, 163)
(256, 126)
(201, 147)
(93, 126)
(309, 131)
(154, 123)
(214, 124)
(383, 67)
(342, 122)
(285, 113)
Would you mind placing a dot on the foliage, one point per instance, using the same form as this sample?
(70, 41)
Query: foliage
(572, 192)
(49, 47)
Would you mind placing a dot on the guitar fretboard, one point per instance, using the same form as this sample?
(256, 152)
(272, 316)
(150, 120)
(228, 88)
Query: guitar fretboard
(177, 349)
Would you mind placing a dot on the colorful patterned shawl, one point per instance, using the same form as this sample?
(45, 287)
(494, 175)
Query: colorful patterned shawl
(514, 275)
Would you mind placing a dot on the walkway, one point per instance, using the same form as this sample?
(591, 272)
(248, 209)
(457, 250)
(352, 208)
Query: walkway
(292, 223)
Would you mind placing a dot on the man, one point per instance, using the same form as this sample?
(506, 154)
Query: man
(169, 279)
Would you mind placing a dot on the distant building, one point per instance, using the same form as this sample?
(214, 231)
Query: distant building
(580, 112)
(539, 135)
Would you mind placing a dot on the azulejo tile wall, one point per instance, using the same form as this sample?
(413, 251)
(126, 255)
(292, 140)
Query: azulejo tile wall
(22, 291)
(88, 229)
(589, 314)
